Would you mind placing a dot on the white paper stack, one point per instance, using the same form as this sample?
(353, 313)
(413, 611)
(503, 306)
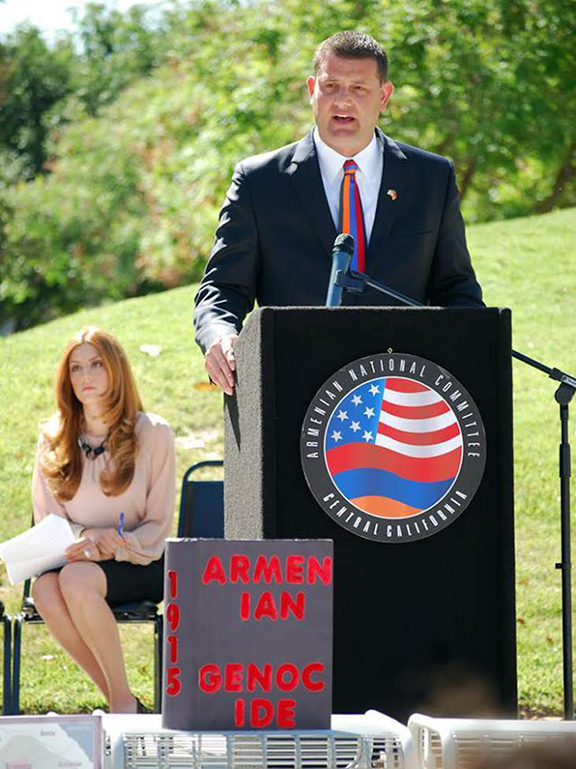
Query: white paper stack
(38, 549)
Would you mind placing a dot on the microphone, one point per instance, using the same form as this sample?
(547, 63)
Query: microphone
(341, 257)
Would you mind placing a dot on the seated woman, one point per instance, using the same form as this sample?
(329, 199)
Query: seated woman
(100, 459)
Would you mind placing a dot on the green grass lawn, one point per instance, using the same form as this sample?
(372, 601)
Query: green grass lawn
(528, 265)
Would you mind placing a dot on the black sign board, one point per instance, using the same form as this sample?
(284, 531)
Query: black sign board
(248, 634)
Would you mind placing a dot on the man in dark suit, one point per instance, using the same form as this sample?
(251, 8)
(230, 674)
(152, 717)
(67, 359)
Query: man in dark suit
(281, 215)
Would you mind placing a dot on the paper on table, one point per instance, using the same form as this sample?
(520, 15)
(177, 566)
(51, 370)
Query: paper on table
(38, 549)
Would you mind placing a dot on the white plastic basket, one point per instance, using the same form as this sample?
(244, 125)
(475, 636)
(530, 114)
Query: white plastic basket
(369, 741)
(458, 743)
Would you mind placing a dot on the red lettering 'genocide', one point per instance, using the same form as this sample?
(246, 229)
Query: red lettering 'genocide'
(261, 714)
(238, 677)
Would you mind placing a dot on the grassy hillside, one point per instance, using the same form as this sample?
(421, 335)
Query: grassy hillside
(529, 265)
(525, 264)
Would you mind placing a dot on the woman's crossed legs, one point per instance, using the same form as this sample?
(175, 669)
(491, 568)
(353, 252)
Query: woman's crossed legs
(72, 603)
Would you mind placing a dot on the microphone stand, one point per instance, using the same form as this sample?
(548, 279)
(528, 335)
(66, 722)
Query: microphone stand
(355, 283)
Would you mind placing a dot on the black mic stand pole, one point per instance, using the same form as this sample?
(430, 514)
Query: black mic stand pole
(563, 396)
(355, 283)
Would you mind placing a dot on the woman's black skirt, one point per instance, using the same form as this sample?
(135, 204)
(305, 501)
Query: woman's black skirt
(126, 582)
(129, 582)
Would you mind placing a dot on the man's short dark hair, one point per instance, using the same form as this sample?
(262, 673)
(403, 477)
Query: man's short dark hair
(353, 45)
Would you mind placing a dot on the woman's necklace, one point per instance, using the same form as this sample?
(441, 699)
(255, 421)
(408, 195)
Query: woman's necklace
(90, 451)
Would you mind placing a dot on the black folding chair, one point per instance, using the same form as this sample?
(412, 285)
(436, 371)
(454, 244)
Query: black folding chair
(133, 612)
(201, 504)
(7, 664)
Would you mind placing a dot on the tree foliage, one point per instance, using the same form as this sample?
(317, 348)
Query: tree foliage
(33, 78)
(114, 49)
(108, 51)
(155, 115)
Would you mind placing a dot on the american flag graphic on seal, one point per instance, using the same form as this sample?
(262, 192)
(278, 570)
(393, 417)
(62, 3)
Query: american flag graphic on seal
(393, 447)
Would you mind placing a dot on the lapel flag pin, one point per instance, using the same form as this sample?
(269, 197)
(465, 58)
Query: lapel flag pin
(392, 194)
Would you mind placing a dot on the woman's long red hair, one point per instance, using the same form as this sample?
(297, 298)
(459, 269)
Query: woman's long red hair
(61, 456)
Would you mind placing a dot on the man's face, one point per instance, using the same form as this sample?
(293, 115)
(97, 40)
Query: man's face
(347, 98)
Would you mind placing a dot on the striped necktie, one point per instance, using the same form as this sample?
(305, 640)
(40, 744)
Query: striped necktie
(351, 216)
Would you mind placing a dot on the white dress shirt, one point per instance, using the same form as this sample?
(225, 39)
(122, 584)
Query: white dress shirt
(370, 162)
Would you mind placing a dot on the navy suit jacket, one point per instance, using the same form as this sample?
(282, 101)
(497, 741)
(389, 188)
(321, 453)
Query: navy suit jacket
(275, 235)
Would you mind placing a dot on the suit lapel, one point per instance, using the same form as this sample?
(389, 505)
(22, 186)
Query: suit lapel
(307, 180)
(389, 199)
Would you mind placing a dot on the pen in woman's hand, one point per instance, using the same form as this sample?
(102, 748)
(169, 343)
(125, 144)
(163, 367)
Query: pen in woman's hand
(120, 528)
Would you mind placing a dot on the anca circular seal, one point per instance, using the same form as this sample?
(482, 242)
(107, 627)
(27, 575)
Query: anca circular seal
(393, 448)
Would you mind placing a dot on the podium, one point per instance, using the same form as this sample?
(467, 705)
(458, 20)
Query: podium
(424, 624)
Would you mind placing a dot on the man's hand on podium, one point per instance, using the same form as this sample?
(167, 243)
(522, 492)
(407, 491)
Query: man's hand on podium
(220, 362)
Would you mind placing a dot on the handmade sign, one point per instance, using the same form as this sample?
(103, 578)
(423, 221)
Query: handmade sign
(248, 634)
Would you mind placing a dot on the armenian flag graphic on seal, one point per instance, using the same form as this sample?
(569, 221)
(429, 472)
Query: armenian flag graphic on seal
(393, 447)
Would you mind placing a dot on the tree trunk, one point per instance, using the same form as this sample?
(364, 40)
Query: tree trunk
(566, 171)
(445, 145)
(467, 178)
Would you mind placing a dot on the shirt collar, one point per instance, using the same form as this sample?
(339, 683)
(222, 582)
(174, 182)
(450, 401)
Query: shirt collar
(331, 162)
